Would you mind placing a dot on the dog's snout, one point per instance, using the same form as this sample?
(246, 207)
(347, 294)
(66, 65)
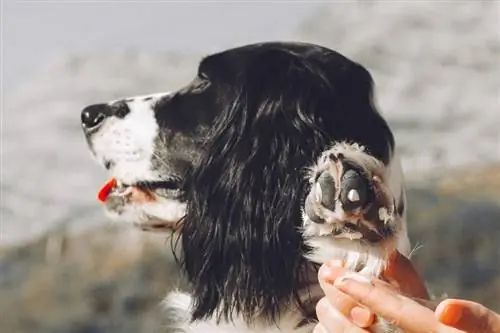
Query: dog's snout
(94, 115)
(119, 109)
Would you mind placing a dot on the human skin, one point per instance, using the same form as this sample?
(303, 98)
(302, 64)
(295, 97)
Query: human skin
(350, 304)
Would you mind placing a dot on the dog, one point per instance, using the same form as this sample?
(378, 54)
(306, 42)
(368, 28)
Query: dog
(272, 160)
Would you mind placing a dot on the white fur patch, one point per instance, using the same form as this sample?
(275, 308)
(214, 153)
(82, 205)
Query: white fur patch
(353, 253)
(129, 142)
(178, 306)
(167, 210)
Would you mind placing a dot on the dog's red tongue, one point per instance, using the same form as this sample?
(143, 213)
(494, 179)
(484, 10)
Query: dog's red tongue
(105, 190)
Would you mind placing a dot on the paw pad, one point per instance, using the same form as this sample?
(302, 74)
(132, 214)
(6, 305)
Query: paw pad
(348, 195)
(354, 190)
(327, 188)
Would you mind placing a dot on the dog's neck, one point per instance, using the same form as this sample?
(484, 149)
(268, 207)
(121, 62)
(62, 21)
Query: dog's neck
(290, 320)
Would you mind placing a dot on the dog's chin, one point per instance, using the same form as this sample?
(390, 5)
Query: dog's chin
(147, 206)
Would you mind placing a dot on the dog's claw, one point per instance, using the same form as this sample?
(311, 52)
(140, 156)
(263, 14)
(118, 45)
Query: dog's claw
(353, 195)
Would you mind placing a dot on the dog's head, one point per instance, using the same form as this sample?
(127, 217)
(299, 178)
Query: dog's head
(226, 156)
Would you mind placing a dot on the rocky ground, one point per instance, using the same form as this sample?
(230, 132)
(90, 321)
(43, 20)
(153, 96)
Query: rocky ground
(110, 280)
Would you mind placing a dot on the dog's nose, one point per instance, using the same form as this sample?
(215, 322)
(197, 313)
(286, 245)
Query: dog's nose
(93, 115)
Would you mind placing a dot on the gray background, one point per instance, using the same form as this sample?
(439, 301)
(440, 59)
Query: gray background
(435, 65)
(36, 31)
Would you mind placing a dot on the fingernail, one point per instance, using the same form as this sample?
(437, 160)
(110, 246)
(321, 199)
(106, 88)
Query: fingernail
(334, 263)
(362, 316)
(351, 278)
(451, 315)
(341, 281)
(325, 273)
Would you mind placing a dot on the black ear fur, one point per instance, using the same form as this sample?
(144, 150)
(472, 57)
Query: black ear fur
(242, 248)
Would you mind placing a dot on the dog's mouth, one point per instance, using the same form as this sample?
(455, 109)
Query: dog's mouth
(145, 199)
(116, 188)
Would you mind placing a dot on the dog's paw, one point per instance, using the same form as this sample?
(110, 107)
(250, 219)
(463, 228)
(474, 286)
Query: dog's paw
(348, 196)
(350, 199)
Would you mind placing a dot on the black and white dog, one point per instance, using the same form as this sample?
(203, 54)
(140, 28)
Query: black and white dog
(271, 161)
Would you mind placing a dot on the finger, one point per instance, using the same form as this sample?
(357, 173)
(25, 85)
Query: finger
(339, 300)
(397, 309)
(468, 316)
(319, 328)
(401, 273)
(362, 316)
(332, 321)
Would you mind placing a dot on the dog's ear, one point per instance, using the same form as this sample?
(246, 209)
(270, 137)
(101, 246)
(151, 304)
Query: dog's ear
(242, 247)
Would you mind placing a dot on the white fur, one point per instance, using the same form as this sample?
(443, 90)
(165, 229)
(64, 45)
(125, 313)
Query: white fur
(178, 304)
(129, 142)
(353, 253)
(161, 209)
(352, 152)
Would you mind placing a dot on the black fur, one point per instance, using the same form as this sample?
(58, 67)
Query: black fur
(272, 108)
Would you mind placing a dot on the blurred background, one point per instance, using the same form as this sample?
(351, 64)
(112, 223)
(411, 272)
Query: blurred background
(65, 268)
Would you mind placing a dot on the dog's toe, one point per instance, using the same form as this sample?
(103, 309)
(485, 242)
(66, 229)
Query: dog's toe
(325, 184)
(354, 190)
(347, 190)
(313, 203)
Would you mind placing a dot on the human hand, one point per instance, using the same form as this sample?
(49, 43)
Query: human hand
(400, 273)
(341, 310)
(468, 316)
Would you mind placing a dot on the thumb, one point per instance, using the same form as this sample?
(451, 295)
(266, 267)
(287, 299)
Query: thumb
(468, 316)
(401, 273)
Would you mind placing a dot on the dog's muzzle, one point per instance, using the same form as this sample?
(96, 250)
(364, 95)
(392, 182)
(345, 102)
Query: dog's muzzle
(94, 116)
